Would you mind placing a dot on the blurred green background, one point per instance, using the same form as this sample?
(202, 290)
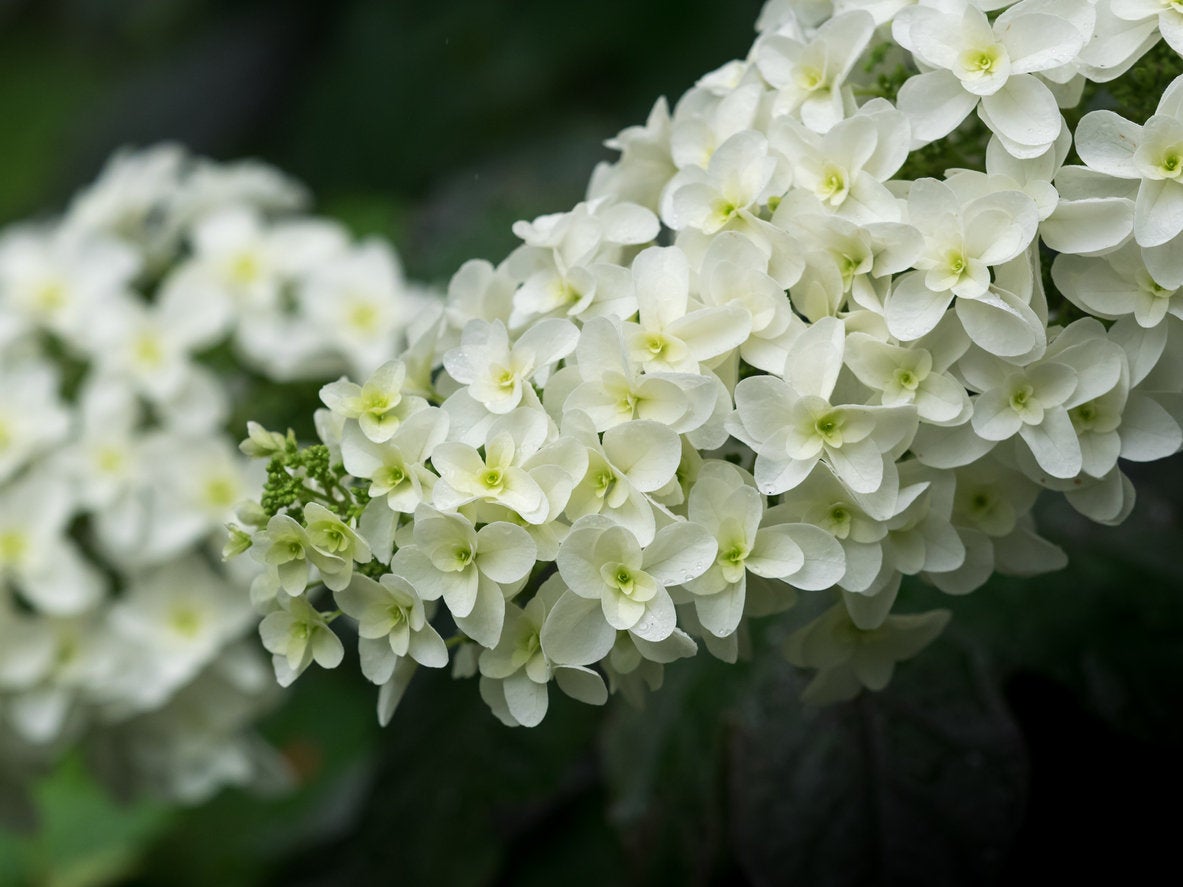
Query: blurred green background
(439, 123)
(1025, 744)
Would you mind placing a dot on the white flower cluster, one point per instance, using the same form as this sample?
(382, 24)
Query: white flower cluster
(765, 356)
(127, 328)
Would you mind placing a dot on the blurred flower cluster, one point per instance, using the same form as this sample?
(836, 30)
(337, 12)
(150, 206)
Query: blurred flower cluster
(131, 330)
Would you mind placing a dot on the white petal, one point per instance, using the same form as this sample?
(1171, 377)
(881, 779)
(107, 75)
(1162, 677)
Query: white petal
(483, 623)
(582, 684)
(1024, 111)
(858, 465)
(994, 418)
(1054, 444)
(720, 613)
(935, 103)
(1147, 430)
(912, 309)
(648, 453)
(506, 553)
(575, 632)
(1106, 142)
(428, 648)
(1158, 211)
(679, 553)
(659, 620)
(1001, 324)
(526, 700)
(815, 358)
(1088, 226)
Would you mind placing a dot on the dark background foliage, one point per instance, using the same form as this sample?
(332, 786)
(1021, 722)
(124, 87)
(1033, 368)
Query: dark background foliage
(1033, 741)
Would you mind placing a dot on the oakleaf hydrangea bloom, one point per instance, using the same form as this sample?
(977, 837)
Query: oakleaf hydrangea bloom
(130, 328)
(819, 329)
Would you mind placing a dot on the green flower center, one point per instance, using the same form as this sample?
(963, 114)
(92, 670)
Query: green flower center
(13, 545)
(603, 482)
(906, 379)
(810, 79)
(1084, 416)
(1021, 397)
(50, 297)
(245, 269)
(220, 492)
(829, 429)
(363, 316)
(622, 578)
(981, 62)
(390, 475)
(398, 616)
(186, 622)
(735, 555)
(376, 402)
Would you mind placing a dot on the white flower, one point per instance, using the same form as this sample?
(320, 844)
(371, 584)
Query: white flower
(604, 563)
(379, 405)
(735, 272)
(396, 467)
(910, 375)
(499, 375)
(961, 241)
(1152, 156)
(515, 674)
(849, 658)
(610, 388)
(128, 195)
(500, 476)
(334, 546)
(645, 164)
(466, 567)
(61, 281)
(633, 460)
(284, 546)
(36, 559)
(801, 555)
(360, 303)
(1116, 285)
(390, 611)
(1168, 14)
(297, 634)
(668, 336)
(792, 424)
(32, 416)
(1033, 401)
(741, 176)
(844, 168)
(994, 62)
(808, 77)
(244, 262)
(171, 623)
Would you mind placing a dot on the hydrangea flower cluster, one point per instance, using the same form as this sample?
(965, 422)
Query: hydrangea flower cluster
(129, 329)
(783, 349)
